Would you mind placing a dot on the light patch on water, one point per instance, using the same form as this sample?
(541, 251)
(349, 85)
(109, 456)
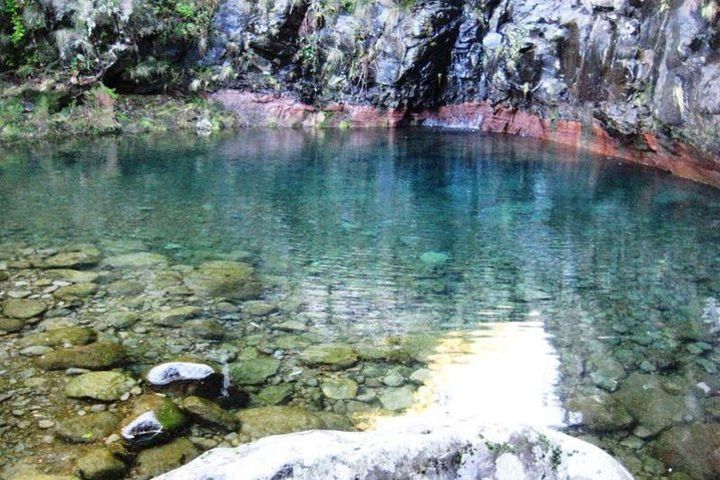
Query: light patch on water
(504, 373)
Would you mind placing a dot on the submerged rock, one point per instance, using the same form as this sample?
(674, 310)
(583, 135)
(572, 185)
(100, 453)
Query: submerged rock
(88, 428)
(136, 260)
(275, 420)
(176, 316)
(462, 451)
(100, 464)
(153, 418)
(105, 386)
(74, 276)
(60, 336)
(332, 355)
(232, 280)
(601, 413)
(397, 398)
(209, 412)
(254, 371)
(95, 356)
(87, 257)
(339, 388)
(24, 308)
(76, 291)
(157, 460)
(692, 449)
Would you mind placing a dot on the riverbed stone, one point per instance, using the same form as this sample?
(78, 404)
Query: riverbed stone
(105, 386)
(88, 428)
(254, 371)
(86, 257)
(275, 420)
(76, 291)
(122, 320)
(60, 336)
(24, 308)
(125, 288)
(154, 461)
(95, 356)
(11, 324)
(209, 412)
(654, 409)
(339, 388)
(166, 411)
(393, 379)
(204, 328)
(692, 449)
(397, 398)
(136, 260)
(100, 464)
(274, 394)
(601, 412)
(258, 308)
(176, 316)
(333, 355)
(231, 280)
(74, 276)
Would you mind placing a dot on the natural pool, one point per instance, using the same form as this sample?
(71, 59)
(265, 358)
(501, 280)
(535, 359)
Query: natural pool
(509, 278)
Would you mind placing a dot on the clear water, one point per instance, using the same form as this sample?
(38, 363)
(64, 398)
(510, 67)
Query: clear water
(365, 234)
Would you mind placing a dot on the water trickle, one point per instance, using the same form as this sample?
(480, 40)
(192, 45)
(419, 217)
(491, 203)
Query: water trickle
(224, 391)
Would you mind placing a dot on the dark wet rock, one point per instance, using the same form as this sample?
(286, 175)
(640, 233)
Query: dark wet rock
(24, 308)
(105, 386)
(136, 260)
(153, 418)
(154, 461)
(644, 397)
(60, 337)
(95, 356)
(253, 371)
(204, 328)
(100, 464)
(231, 280)
(11, 324)
(332, 355)
(601, 413)
(87, 257)
(76, 291)
(275, 420)
(175, 317)
(692, 449)
(125, 288)
(88, 428)
(210, 413)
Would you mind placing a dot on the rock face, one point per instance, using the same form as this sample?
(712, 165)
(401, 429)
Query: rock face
(459, 451)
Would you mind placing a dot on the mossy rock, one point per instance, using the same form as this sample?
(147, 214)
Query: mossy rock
(692, 449)
(86, 257)
(100, 464)
(254, 371)
(204, 328)
(88, 428)
(24, 308)
(601, 413)
(95, 356)
(76, 291)
(274, 394)
(275, 420)
(175, 317)
(136, 260)
(122, 319)
(168, 414)
(60, 336)
(157, 460)
(395, 399)
(339, 388)
(210, 413)
(105, 386)
(125, 288)
(332, 355)
(231, 280)
(11, 324)
(70, 275)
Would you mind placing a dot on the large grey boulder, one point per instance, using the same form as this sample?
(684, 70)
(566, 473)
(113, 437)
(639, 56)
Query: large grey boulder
(450, 451)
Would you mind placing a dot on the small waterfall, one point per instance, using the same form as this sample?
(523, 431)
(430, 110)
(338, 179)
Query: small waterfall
(226, 377)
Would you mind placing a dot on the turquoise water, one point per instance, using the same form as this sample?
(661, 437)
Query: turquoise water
(367, 234)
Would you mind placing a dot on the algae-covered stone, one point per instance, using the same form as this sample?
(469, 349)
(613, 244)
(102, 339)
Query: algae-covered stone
(11, 324)
(100, 464)
(258, 308)
(331, 355)
(339, 388)
(232, 280)
(274, 394)
(176, 316)
(209, 412)
(601, 413)
(85, 257)
(645, 399)
(76, 291)
(419, 346)
(95, 356)
(253, 371)
(397, 398)
(136, 260)
(60, 336)
(24, 308)
(74, 276)
(88, 428)
(275, 420)
(164, 418)
(385, 353)
(693, 449)
(122, 319)
(204, 328)
(105, 386)
(154, 461)
(125, 288)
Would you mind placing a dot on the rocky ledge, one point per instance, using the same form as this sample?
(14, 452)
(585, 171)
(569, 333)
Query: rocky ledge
(448, 451)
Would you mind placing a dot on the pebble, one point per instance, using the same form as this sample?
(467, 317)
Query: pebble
(98, 407)
(45, 424)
